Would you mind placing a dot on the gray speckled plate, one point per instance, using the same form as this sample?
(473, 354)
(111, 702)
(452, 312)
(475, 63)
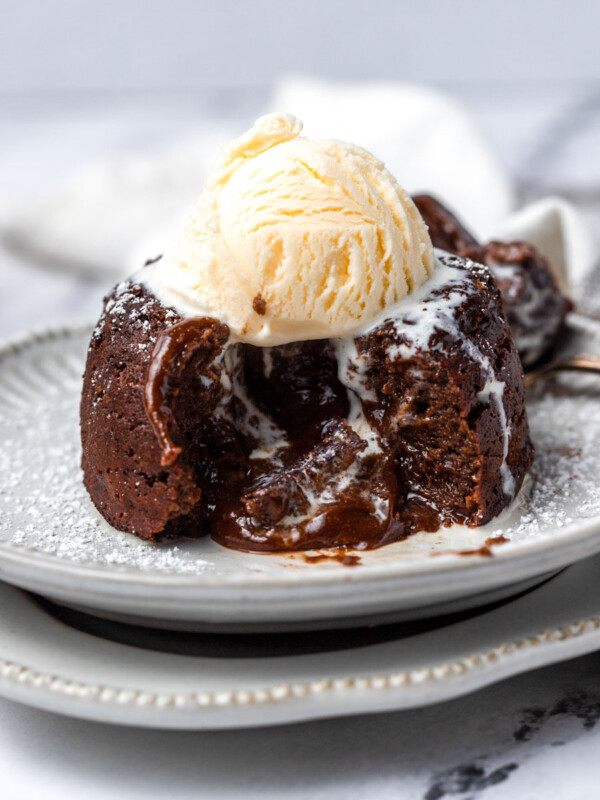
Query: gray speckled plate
(53, 542)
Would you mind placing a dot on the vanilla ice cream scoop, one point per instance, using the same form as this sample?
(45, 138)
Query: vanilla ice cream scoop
(295, 239)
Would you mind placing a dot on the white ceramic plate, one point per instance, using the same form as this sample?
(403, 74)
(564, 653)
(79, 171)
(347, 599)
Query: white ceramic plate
(212, 682)
(52, 541)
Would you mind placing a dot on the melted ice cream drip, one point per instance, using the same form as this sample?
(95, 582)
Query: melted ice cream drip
(269, 437)
(495, 389)
(352, 370)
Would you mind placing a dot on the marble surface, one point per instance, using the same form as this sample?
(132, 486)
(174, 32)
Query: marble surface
(527, 738)
(533, 736)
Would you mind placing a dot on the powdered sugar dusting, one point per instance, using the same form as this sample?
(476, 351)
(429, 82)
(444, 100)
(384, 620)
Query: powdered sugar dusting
(125, 300)
(565, 477)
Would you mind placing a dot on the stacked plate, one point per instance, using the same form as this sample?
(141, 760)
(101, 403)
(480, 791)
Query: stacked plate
(195, 635)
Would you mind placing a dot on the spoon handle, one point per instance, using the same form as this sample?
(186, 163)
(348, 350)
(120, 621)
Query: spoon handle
(578, 363)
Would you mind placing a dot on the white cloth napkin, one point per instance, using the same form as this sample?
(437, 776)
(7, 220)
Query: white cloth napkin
(110, 216)
(557, 229)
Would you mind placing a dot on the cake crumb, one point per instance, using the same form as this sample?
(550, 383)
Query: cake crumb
(259, 304)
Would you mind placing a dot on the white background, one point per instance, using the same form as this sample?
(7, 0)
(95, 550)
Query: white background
(89, 78)
(164, 44)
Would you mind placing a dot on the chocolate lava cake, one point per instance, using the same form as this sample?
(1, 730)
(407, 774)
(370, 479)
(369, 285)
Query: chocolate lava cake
(417, 423)
(535, 306)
